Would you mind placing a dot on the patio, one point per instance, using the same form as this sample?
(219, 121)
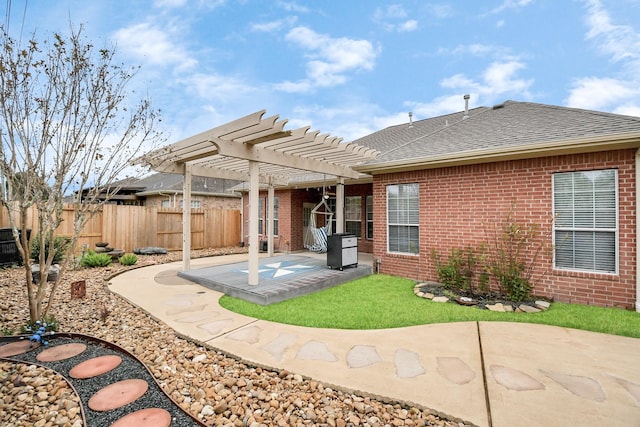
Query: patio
(281, 277)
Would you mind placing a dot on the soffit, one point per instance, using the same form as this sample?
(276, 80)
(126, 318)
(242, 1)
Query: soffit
(283, 155)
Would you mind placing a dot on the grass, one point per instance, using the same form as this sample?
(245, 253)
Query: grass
(380, 302)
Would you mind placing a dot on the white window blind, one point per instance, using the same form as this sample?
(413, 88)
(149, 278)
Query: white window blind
(403, 218)
(585, 207)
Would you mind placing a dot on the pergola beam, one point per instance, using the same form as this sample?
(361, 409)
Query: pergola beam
(257, 154)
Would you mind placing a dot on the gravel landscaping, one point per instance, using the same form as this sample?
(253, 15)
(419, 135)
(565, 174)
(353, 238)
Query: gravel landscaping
(215, 387)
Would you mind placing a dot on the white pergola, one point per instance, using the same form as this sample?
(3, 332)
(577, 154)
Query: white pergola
(260, 151)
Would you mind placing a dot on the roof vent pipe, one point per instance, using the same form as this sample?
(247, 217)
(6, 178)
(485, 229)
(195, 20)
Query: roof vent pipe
(410, 119)
(466, 106)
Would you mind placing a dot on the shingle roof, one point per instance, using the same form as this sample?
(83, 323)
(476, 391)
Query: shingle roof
(512, 124)
(173, 182)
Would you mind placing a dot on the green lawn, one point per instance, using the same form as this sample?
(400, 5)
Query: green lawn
(380, 301)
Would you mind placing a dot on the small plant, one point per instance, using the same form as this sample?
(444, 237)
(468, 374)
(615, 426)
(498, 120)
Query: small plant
(104, 312)
(512, 256)
(60, 246)
(92, 259)
(457, 273)
(50, 324)
(128, 259)
(7, 331)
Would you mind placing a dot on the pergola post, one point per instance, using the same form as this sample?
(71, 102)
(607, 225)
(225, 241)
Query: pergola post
(270, 219)
(254, 193)
(340, 205)
(186, 218)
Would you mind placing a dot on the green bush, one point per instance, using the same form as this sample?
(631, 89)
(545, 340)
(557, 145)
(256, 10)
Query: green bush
(92, 259)
(128, 259)
(456, 274)
(513, 254)
(60, 246)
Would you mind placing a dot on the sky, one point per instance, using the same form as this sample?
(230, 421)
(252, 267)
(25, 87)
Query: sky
(351, 67)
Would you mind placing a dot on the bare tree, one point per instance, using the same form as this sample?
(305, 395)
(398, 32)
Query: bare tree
(68, 128)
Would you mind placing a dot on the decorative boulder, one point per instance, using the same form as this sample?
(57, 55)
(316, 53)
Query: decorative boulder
(150, 250)
(54, 271)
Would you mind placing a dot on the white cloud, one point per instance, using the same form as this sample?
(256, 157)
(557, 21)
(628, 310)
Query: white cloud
(596, 93)
(475, 49)
(500, 78)
(628, 109)
(293, 7)
(152, 45)
(169, 3)
(440, 11)
(393, 18)
(621, 43)
(510, 4)
(498, 81)
(272, 26)
(330, 59)
(410, 25)
(442, 105)
(215, 87)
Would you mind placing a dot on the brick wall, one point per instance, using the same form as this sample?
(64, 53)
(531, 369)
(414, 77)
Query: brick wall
(459, 207)
(290, 206)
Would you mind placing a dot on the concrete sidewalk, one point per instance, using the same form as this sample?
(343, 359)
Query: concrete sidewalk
(487, 373)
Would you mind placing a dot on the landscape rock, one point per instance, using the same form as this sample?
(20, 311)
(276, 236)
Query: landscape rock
(440, 299)
(198, 384)
(150, 250)
(496, 307)
(528, 309)
(543, 305)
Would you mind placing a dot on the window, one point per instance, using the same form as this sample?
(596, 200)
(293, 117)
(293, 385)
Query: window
(262, 216)
(369, 217)
(331, 202)
(195, 204)
(585, 231)
(165, 204)
(353, 215)
(261, 229)
(403, 218)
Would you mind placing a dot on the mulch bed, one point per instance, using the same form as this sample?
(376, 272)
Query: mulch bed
(478, 300)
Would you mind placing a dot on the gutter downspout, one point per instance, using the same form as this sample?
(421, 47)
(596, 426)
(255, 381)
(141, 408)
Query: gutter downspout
(637, 171)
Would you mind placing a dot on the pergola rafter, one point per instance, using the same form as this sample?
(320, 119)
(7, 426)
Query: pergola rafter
(258, 150)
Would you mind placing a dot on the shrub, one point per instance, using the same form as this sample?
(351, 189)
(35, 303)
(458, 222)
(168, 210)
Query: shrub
(458, 272)
(128, 259)
(92, 259)
(60, 246)
(512, 257)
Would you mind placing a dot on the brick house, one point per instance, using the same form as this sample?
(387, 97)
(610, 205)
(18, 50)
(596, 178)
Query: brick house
(439, 183)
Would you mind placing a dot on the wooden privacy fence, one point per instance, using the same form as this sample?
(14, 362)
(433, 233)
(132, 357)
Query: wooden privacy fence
(129, 227)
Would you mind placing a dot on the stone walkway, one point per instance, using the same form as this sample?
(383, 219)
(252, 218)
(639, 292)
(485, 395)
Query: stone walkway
(486, 373)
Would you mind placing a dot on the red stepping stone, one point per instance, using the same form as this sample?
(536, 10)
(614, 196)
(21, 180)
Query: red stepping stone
(151, 417)
(118, 394)
(94, 367)
(61, 352)
(17, 347)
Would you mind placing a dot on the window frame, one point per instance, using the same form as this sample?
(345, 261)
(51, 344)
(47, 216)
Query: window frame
(369, 217)
(354, 202)
(408, 224)
(262, 215)
(559, 228)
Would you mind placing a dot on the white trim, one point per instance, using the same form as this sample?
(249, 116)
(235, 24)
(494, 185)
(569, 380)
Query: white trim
(637, 172)
(615, 230)
(410, 225)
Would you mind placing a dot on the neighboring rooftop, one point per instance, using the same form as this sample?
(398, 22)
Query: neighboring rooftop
(172, 182)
